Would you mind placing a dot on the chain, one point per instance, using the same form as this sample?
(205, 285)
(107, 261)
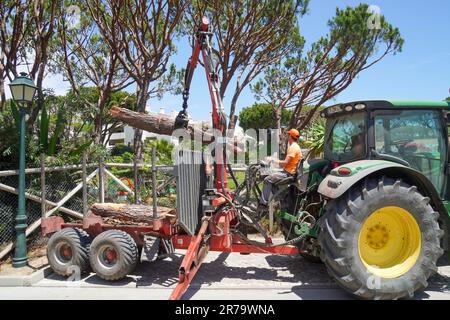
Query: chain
(182, 119)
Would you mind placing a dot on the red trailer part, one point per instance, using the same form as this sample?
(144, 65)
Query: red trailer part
(210, 237)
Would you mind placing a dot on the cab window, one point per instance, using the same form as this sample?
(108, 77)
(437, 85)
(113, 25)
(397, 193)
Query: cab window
(415, 136)
(346, 139)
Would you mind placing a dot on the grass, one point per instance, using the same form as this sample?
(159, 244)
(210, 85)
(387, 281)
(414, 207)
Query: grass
(240, 176)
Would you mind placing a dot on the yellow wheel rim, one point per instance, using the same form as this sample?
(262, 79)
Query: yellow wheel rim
(389, 242)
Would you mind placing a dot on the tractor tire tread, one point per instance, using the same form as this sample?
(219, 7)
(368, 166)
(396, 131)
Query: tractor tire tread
(340, 222)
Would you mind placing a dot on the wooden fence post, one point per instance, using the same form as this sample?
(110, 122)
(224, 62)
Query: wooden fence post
(43, 191)
(155, 209)
(101, 181)
(84, 183)
(137, 187)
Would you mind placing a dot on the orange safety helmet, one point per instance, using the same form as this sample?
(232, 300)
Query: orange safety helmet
(294, 134)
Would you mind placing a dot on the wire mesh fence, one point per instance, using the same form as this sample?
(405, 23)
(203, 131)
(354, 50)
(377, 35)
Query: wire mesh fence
(116, 192)
(63, 193)
(8, 209)
(57, 185)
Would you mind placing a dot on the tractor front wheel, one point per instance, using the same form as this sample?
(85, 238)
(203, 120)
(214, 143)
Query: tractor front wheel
(381, 239)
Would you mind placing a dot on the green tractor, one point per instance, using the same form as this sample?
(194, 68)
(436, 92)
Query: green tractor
(375, 210)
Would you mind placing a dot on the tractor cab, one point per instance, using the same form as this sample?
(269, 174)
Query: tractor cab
(413, 134)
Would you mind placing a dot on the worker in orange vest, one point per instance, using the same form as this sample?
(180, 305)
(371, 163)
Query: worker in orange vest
(289, 165)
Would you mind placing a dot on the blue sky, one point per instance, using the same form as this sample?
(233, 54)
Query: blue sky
(420, 71)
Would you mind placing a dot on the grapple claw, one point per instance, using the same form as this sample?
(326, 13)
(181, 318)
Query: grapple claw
(181, 121)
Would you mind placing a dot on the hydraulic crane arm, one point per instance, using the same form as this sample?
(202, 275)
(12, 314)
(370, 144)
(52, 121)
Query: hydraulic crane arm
(202, 45)
(200, 243)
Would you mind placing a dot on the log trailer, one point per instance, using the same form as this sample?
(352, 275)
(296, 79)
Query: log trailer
(374, 210)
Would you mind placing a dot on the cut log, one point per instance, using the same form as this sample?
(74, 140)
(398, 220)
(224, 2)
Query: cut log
(130, 213)
(163, 124)
(157, 122)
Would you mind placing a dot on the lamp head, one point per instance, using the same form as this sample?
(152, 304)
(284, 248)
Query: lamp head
(22, 88)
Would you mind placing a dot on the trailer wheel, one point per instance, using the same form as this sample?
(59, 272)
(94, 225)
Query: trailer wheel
(114, 255)
(68, 249)
(381, 240)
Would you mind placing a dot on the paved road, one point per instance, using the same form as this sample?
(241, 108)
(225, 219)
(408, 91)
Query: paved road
(222, 276)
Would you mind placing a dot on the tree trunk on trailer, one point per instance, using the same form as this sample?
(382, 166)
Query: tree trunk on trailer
(123, 213)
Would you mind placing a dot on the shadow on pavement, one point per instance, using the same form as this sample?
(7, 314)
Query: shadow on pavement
(299, 271)
(444, 260)
(308, 279)
(161, 272)
(282, 269)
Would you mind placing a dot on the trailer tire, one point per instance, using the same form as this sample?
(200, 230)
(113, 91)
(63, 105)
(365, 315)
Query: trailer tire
(114, 255)
(68, 251)
(381, 239)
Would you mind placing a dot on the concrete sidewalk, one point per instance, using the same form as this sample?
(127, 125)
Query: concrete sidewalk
(102, 293)
(222, 276)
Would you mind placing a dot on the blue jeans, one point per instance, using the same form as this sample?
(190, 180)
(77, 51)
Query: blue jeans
(269, 188)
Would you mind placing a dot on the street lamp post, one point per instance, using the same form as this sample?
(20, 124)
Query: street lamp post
(22, 90)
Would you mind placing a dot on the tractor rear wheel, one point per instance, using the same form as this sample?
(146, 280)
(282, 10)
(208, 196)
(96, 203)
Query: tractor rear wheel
(381, 239)
(68, 249)
(113, 255)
